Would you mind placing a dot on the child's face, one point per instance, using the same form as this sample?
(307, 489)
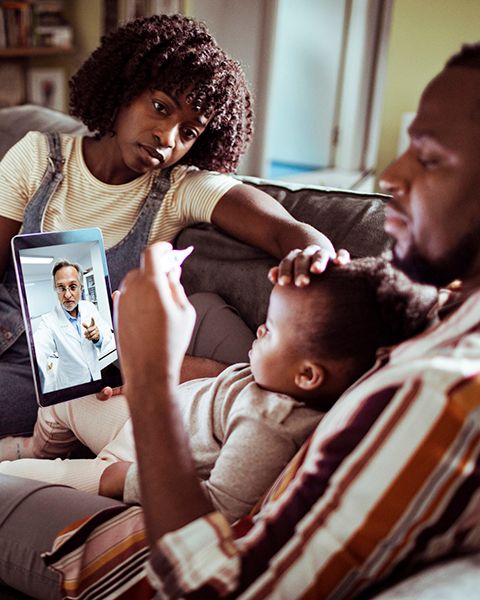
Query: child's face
(276, 351)
(156, 130)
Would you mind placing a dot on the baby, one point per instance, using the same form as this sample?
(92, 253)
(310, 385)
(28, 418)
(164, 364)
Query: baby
(245, 424)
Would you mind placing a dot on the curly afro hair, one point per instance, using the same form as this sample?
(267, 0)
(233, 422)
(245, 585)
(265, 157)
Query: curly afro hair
(175, 54)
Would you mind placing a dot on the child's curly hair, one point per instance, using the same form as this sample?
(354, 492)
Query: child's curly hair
(175, 54)
(370, 304)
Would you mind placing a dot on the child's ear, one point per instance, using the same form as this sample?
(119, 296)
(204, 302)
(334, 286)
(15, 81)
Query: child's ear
(310, 376)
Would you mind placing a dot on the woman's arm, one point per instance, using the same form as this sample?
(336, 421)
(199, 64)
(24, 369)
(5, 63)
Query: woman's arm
(8, 228)
(256, 218)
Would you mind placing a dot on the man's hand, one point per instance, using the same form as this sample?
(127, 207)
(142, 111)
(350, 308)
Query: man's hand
(298, 264)
(91, 332)
(154, 320)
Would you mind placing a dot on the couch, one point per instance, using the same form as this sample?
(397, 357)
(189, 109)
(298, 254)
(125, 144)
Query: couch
(237, 272)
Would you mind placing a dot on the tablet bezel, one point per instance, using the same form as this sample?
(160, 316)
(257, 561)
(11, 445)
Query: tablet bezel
(111, 373)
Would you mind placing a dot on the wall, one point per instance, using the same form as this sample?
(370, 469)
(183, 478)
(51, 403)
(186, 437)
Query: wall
(424, 33)
(242, 29)
(305, 70)
(86, 17)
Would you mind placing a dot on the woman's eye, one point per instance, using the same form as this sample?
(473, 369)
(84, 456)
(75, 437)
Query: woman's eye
(190, 134)
(159, 107)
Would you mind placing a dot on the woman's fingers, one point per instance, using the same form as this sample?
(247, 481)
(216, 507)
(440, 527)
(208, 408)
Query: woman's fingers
(299, 264)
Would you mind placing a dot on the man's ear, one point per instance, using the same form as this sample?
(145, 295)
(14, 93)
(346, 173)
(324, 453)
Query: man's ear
(310, 375)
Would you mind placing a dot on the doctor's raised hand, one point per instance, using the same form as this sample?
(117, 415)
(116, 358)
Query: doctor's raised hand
(91, 332)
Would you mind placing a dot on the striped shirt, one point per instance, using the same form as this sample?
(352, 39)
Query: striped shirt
(84, 201)
(390, 479)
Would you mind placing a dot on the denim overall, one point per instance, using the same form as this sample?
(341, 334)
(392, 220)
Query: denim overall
(18, 406)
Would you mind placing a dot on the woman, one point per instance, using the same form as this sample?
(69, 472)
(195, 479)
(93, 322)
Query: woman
(171, 114)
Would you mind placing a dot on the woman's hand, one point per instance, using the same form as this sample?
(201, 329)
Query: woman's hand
(298, 264)
(107, 392)
(154, 321)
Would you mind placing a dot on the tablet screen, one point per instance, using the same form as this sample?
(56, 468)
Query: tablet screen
(66, 302)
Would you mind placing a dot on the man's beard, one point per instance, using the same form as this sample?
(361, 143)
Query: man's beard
(442, 271)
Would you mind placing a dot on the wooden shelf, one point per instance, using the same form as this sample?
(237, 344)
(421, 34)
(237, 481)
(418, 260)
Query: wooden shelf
(34, 51)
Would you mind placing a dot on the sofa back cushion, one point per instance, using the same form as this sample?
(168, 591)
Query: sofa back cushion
(16, 121)
(238, 272)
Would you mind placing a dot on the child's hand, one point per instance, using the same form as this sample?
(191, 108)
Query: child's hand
(298, 264)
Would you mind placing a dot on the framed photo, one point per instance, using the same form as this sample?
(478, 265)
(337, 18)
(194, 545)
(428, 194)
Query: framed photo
(46, 87)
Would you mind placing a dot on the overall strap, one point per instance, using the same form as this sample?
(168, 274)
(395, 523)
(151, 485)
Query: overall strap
(35, 210)
(125, 255)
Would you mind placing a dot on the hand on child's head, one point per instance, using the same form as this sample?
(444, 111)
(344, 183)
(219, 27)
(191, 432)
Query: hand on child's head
(298, 264)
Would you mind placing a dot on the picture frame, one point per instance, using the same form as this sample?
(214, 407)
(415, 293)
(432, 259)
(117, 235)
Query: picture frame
(46, 87)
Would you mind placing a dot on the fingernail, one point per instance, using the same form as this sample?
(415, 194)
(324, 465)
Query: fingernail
(284, 280)
(302, 280)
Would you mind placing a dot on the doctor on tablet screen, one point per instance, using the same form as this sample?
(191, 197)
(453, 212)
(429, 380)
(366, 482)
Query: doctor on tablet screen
(70, 337)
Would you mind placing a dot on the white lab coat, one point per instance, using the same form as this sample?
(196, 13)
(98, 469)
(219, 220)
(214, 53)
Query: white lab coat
(65, 358)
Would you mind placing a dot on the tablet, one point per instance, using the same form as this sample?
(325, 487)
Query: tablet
(66, 301)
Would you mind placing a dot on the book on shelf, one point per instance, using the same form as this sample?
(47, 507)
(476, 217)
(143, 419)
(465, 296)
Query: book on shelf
(34, 23)
(12, 90)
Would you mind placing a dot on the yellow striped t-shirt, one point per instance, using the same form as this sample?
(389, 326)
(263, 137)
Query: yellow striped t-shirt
(83, 201)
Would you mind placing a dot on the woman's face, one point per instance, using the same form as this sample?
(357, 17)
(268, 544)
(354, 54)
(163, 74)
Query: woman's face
(156, 130)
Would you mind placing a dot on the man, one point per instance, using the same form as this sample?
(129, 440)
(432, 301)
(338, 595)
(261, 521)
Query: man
(392, 474)
(69, 338)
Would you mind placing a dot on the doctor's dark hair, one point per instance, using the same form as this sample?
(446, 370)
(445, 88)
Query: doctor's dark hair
(63, 262)
(360, 307)
(177, 55)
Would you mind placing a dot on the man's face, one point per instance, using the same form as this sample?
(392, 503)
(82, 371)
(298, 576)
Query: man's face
(434, 215)
(68, 288)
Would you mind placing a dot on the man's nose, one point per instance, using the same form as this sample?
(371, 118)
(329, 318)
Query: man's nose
(395, 179)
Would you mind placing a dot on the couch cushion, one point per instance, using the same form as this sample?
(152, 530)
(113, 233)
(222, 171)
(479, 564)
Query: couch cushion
(16, 121)
(238, 272)
(449, 579)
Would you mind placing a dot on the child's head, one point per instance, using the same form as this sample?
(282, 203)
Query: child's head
(177, 55)
(317, 340)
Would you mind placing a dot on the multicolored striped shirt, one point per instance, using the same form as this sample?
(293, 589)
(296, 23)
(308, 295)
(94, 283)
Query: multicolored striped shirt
(390, 479)
(84, 201)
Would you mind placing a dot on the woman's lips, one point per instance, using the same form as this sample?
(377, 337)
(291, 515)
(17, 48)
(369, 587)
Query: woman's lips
(152, 155)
